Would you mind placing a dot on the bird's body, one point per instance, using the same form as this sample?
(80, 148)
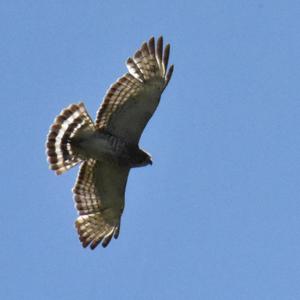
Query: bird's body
(99, 145)
(103, 146)
(108, 148)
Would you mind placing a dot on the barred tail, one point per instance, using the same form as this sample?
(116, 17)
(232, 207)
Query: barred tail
(61, 156)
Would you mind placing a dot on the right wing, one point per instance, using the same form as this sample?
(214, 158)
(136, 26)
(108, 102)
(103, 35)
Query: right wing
(99, 198)
(132, 99)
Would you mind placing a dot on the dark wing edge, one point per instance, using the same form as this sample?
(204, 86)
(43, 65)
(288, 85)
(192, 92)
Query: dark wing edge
(99, 217)
(147, 68)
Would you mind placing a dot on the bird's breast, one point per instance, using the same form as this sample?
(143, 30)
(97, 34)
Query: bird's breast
(101, 146)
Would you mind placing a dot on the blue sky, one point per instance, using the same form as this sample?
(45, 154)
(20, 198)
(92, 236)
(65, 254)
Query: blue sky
(217, 215)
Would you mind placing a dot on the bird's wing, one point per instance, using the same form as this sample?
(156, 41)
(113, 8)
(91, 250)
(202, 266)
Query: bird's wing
(99, 198)
(131, 101)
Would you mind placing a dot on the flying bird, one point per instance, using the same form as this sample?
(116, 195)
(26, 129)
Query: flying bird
(109, 147)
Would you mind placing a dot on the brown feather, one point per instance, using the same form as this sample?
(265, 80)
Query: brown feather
(126, 111)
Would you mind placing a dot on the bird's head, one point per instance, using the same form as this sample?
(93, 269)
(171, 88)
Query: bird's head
(148, 160)
(141, 159)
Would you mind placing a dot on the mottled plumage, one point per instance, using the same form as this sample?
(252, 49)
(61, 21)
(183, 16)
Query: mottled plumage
(108, 148)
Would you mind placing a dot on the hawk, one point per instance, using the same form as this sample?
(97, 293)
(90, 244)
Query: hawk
(109, 148)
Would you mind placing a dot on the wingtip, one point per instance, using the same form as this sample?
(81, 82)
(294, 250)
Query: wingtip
(169, 74)
(129, 60)
(151, 46)
(159, 48)
(152, 39)
(166, 56)
(144, 48)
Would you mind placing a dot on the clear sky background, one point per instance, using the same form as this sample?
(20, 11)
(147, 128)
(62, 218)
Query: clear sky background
(218, 214)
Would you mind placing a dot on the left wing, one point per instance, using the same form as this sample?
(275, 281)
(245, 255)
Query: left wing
(99, 198)
(131, 101)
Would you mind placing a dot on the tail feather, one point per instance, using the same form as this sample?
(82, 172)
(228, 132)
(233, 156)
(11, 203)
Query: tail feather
(61, 156)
